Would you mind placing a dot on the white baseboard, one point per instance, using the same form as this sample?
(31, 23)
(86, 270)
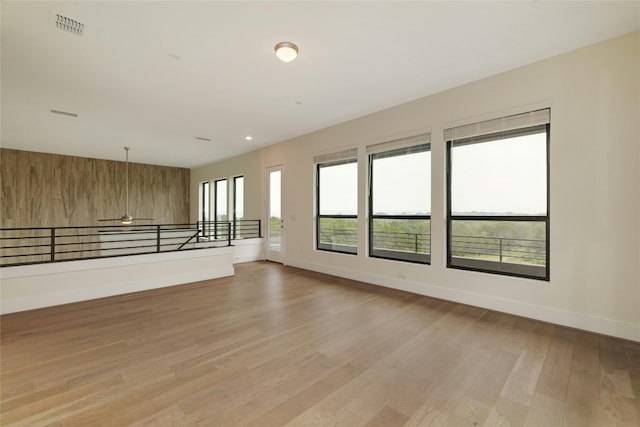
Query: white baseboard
(611, 327)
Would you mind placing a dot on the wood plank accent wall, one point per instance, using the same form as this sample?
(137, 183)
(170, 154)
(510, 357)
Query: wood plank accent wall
(44, 190)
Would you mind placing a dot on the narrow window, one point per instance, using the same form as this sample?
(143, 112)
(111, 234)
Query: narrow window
(238, 206)
(204, 208)
(220, 209)
(337, 204)
(498, 196)
(400, 200)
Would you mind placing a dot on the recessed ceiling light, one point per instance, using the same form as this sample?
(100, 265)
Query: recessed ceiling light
(286, 51)
(248, 137)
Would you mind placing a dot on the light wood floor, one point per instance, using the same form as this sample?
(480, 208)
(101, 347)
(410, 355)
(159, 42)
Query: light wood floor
(279, 346)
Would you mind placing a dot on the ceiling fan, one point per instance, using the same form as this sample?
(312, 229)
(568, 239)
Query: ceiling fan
(126, 218)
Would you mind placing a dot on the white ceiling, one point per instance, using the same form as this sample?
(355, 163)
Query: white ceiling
(155, 75)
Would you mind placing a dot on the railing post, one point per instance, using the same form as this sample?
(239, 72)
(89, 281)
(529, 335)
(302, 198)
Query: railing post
(500, 249)
(260, 228)
(157, 238)
(229, 235)
(416, 242)
(52, 242)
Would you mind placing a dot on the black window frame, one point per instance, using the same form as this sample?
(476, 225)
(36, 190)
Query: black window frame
(205, 212)
(220, 227)
(235, 201)
(515, 270)
(332, 248)
(390, 254)
(204, 198)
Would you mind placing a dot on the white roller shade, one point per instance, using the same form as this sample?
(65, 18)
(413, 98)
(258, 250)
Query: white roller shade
(334, 157)
(423, 138)
(504, 124)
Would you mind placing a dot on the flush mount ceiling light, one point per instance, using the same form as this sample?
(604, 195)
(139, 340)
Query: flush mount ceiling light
(286, 51)
(248, 137)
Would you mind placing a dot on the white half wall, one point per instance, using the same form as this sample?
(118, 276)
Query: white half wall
(248, 250)
(42, 285)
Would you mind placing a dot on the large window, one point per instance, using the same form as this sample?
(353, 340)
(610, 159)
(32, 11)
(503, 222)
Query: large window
(220, 208)
(400, 200)
(238, 206)
(337, 205)
(498, 187)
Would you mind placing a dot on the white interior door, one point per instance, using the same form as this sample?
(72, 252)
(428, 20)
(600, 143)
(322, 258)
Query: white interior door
(275, 223)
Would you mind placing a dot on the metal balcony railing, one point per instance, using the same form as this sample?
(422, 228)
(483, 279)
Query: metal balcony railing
(36, 245)
(500, 249)
(402, 241)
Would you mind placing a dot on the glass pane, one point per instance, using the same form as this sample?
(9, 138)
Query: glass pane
(501, 177)
(275, 220)
(338, 234)
(239, 197)
(204, 210)
(500, 243)
(339, 189)
(204, 207)
(402, 184)
(221, 200)
(402, 239)
(238, 207)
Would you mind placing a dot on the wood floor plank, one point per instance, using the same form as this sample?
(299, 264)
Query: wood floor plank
(544, 411)
(275, 346)
(507, 413)
(387, 417)
(427, 416)
(632, 354)
(616, 390)
(554, 377)
(584, 387)
(469, 412)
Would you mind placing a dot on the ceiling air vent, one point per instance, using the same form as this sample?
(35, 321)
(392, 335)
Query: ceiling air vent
(203, 139)
(67, 24)
(64, 113)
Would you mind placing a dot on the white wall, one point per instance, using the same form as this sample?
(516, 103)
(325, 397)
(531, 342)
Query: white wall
(42, 285)
(594, 95)
(249, 166)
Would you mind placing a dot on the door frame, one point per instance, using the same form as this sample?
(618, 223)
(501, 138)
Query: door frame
(274, 255)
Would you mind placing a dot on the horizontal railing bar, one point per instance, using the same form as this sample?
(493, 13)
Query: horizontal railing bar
(25, 246)
(82, 227)
(497, 238)
(44, 236)
(21, 255)
(540, 218)
(402, 217)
